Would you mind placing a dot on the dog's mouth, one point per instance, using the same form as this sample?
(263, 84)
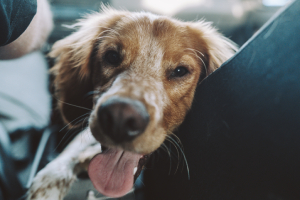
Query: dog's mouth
(118, 121)
(114, 171)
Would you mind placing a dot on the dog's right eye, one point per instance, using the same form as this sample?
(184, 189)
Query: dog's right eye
(179, 72)
(112, 57)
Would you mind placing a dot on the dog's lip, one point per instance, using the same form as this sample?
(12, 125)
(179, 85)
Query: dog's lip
(103, 148)
(142, 162)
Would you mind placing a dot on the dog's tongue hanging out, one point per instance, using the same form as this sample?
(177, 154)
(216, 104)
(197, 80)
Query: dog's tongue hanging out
(112, 172)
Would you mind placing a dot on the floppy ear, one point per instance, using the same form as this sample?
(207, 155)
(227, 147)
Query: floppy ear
(218, 47)
(72, 69)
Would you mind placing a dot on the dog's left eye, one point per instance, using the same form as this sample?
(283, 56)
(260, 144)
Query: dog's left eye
(112, 57)
(180, 71)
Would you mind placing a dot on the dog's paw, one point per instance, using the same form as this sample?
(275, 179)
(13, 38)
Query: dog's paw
(52, 182)
(86, 156)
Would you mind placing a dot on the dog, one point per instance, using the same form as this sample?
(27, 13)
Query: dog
(142, 71)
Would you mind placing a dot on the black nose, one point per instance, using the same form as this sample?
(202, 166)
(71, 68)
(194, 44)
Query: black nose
(123, 119)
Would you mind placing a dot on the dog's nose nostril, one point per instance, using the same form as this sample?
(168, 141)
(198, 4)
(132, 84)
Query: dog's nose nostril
(106, 118)
(131, 126)
(122, 119)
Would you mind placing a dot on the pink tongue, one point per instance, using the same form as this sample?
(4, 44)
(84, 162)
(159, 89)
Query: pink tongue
(111, 172)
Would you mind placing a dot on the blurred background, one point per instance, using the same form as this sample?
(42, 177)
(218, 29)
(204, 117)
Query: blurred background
(236, 19)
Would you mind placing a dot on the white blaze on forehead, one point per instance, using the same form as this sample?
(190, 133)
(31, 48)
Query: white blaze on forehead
(114, 89)
(157, 103)
(146, 72)
(150, 61)
(151, 52)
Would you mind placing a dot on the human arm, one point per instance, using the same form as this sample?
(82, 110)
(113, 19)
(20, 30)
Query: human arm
(34, 36)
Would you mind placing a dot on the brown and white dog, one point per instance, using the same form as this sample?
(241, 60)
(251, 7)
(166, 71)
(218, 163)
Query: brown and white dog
(142, 70)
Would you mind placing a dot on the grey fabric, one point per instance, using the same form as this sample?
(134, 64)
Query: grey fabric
(24, 97)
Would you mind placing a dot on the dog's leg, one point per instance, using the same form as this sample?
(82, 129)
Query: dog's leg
(54, 181)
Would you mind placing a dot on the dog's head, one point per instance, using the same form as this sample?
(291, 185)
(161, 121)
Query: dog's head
(142, 71)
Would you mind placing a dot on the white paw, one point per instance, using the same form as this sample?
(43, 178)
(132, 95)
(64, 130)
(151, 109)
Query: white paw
(86, 155)
(52, 182)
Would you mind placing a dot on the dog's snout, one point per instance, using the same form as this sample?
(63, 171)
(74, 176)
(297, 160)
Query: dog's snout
(122, 119)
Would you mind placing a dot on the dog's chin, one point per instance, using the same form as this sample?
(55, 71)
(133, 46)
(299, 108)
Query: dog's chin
(114, 171)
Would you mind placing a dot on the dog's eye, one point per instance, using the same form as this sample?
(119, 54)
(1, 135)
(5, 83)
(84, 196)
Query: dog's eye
(180, 71)
(112, 57)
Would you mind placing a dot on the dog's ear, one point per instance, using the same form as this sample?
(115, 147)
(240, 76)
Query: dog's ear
(72, 69)
(218, 47)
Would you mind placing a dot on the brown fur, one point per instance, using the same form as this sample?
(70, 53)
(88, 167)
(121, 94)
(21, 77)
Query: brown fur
(151, 47)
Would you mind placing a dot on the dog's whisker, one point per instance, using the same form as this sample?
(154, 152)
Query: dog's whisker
(74, 121)
(178, 157)
(165, 146)
(195, 52)
(187, 166)
(68, 136)
(82, 125)
(179, 142)
(203, 64)
(73, 105)
(181, 145)
(177, 139)
(175, 144)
